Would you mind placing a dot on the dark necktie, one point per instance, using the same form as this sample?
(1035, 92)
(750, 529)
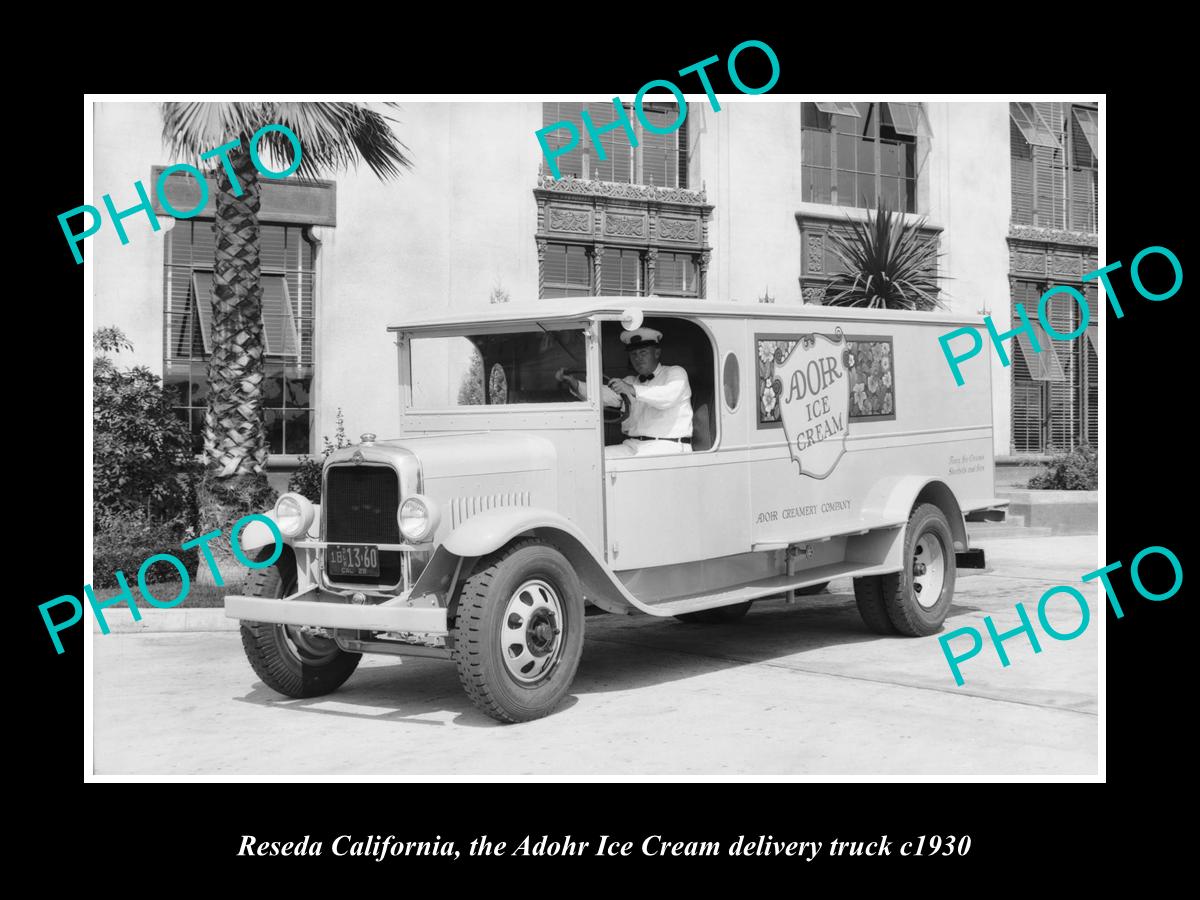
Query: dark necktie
(642, 379)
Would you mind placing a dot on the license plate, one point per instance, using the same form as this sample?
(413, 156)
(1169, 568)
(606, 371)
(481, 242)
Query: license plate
(347, 560)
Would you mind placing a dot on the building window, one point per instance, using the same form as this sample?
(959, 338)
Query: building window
(1054, 165)
(568, 271)
(622, 273)
(659, 159)
(1083, 177)
(288, 276)
(675, 275)
(625, 226)
(1054, 391)
(858, 154)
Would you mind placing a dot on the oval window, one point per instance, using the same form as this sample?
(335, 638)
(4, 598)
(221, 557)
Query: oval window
(732, 382)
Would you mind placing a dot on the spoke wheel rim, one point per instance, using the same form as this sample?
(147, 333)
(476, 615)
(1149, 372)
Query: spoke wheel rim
(532, 631)
(929, 558)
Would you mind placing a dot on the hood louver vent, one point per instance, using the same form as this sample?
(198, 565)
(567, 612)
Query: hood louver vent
(462, 508)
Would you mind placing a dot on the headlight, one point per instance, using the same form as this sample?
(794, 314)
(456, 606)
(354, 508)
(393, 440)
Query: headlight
(293, 515)
(418, 518)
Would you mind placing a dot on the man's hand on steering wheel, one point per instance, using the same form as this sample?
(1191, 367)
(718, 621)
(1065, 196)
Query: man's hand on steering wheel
(624, 388)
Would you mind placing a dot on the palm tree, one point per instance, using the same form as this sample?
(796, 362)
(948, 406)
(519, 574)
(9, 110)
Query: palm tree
(889, 265)
(331, 136)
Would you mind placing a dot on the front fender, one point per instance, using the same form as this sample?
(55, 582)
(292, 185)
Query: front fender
(256, 534)
(489, 531)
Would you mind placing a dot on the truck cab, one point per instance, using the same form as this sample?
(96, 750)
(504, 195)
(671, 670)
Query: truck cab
(826, 443)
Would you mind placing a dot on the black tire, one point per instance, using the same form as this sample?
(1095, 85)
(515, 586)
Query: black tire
(868, 595)
(720, 616)
(491, 609)
(871, 606)
(927, 536)
(288, 661)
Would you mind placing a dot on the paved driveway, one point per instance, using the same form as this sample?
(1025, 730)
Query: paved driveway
(788, 691)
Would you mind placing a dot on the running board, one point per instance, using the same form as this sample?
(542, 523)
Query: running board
(765, 587)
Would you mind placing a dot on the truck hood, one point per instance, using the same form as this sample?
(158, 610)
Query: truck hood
(458, 454)
(478, 453)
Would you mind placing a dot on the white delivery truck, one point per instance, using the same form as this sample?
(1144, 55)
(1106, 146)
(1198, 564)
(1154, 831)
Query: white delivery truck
(826, 442)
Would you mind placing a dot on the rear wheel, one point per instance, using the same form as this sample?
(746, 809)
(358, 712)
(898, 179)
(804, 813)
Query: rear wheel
(868, 595)
(294, 660)
(518, 632)
(719, 616)
(918, 599)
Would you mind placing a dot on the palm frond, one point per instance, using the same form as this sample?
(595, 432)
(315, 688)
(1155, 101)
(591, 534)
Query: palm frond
(333, 136)
(888, 264)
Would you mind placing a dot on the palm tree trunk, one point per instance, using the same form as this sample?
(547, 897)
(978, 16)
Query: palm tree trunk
(235, 450)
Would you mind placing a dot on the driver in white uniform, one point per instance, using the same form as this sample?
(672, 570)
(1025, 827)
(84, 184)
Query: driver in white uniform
(657, 400)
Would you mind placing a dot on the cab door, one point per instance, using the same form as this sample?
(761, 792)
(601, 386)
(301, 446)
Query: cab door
(684, 508)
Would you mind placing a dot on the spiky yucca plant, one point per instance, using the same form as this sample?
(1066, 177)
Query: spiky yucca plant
(332, 136)
(888, 264)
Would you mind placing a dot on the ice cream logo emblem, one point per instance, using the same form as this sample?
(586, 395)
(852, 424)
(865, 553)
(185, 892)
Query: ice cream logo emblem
(814, 401)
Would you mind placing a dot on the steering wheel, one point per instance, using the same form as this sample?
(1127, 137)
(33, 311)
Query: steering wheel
(612, 414)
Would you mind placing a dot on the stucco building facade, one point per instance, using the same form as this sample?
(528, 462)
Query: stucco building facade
(734, 205)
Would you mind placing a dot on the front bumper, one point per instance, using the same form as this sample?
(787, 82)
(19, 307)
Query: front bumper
(394, 615)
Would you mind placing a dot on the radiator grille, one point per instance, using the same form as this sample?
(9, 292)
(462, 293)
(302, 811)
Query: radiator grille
(361, 504)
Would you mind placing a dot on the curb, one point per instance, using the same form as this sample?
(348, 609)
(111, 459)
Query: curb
(166, 620)
(1064, 512)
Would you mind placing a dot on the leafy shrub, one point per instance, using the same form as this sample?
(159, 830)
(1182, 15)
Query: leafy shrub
(1074, 471)
(306, 479)
(143, 472)
(142, 459)
(124, 541)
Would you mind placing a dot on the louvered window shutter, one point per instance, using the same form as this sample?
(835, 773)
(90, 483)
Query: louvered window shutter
(1091, 388)
(621, 273)
(571, 162)
(661, 153)
(1022, 176)
(1048, 171)
(1063, 314)
(1083, 175)
(1028, 392)
(675, 275)
(567, 271)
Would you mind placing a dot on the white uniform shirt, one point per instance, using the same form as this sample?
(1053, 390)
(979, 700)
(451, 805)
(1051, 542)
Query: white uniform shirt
(662, 406)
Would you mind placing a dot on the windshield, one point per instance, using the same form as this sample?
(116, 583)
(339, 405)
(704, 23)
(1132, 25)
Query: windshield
(517, 365)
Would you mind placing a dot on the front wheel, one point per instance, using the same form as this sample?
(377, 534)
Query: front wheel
(518, 632)
(294, 660)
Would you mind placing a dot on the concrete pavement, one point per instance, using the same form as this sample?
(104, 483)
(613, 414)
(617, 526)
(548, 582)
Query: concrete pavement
(788, 691)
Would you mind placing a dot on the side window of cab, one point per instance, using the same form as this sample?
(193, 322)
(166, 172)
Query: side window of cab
(685, 343)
